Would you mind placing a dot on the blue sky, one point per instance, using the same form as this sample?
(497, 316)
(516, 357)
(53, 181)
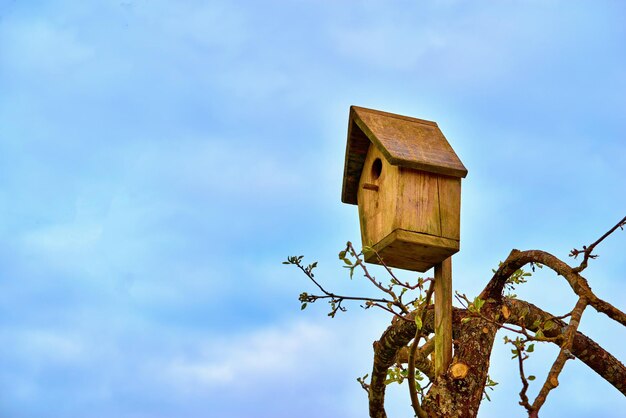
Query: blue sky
(158, 161)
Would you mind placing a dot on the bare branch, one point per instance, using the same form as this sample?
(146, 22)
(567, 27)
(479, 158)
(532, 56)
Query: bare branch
(336, 299)
(552, 381)
(579, 285)
(419, 412)
(422, 363)
(584, 348)
(520, 360)
(588, 250)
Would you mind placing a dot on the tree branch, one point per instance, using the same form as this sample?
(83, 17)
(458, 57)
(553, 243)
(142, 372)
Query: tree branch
(419, 412)
(587, 250)
(602, 362)
(552, 380)
(517, 259)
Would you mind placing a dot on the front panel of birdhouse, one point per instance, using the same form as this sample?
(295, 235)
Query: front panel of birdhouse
(410, 217)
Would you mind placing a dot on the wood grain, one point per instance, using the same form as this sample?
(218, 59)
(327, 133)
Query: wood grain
(443, 316)
(450, 206)
(377, 207)
(412, 251)
(417, 207)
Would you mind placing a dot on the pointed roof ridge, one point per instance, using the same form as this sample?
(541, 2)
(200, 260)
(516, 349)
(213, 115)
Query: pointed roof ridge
(404, 141)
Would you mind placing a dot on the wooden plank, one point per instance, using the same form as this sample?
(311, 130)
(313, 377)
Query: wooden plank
(377, 207)
(413, 251)
(418, 202)
(357, 147)
(443, 316)
(450, 206)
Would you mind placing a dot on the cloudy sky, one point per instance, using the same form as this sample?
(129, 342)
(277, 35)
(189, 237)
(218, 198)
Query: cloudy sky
(159, 159)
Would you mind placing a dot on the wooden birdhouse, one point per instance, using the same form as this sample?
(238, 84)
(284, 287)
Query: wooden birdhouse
(406, 180)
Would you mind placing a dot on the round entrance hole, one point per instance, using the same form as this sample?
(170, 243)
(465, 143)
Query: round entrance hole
(377, 168)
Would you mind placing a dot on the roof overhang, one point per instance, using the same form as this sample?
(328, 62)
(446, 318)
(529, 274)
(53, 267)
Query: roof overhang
(404, 141)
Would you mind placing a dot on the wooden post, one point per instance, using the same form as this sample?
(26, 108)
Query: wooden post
(443, 316)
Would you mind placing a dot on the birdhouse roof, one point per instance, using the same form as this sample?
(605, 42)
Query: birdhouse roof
(404, 141)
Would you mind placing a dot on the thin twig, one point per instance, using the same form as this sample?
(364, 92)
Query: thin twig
(411, 365)
(587, 250)
(564, 355)
(524, 398)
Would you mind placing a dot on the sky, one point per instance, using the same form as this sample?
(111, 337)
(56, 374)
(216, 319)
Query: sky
(160, 159)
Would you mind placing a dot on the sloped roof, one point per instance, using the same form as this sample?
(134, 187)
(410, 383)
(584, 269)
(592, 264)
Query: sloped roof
(404, 141)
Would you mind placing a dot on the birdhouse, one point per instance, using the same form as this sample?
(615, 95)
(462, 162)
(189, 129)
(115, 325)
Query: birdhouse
(406, 180)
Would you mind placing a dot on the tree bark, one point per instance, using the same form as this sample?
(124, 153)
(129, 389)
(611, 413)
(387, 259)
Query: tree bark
(458, 393)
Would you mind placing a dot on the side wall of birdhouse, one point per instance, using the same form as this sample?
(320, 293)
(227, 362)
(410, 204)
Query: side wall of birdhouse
(450, 206)
(377, 197)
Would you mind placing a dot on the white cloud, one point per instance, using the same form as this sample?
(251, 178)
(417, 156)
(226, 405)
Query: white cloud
(48, 345)
(64, 239)
(203, 167)
(387, 46)
(39, 46)
(200, 24)
(274, 350)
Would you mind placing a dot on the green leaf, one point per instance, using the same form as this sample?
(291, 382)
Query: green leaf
(303, 306)
(478, 303)
(549, 325)
(530, 348)
(531, 377)
(418, 321)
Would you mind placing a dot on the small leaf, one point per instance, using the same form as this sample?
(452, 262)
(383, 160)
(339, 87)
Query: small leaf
(418, 322)
(478, 303)
(549, 325)
(303, 306)
(530, 348)
(531, 377)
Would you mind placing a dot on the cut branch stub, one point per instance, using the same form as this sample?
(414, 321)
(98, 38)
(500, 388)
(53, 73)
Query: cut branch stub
(459, 371)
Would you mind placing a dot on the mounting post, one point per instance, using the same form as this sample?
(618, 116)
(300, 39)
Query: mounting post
(443, 316)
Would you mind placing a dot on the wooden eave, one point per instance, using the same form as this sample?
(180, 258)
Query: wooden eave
(404, 141)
